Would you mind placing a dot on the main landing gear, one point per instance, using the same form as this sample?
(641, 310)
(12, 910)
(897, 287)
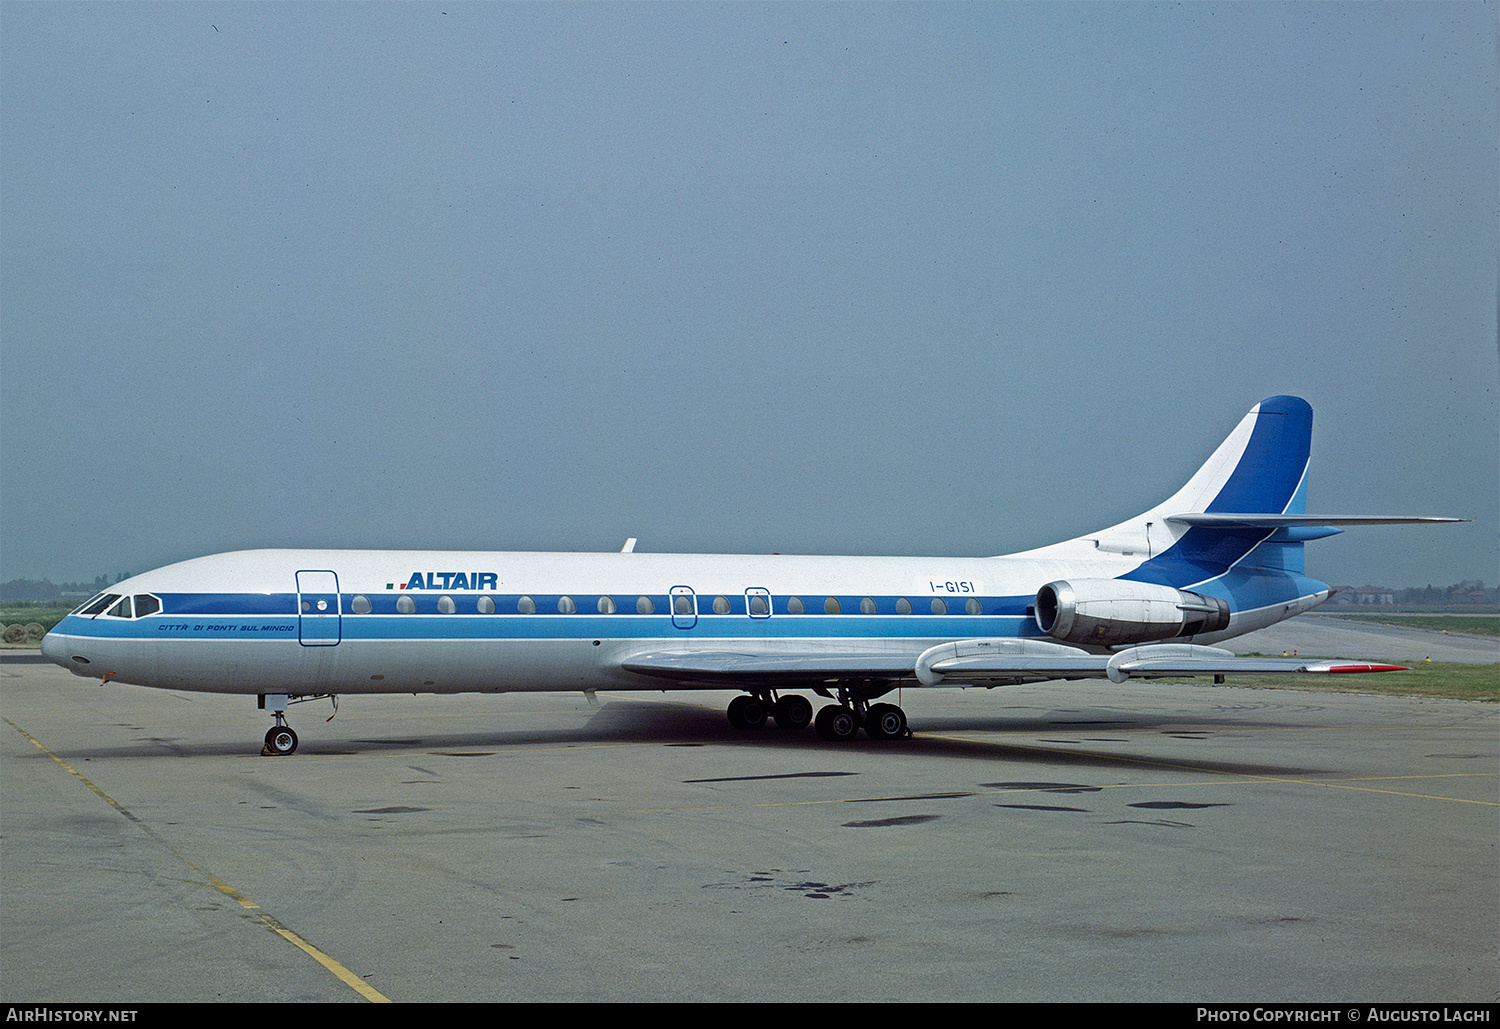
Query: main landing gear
(836, 722)
(839, 722)
(751, 711)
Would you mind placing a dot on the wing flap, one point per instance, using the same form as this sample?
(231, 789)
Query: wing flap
(771, 668)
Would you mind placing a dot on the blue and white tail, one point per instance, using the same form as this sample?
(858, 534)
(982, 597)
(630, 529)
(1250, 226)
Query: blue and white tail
(1241, 498)
(1245, 510)
(1261, 468)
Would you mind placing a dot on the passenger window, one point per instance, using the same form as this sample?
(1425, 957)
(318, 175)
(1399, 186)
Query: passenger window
(122, 609)
(903, 606)
(566, 606)
(486, 605)
(146, 604)
(758, 605)
(406, 605)
(645, 606)
(831, 605)
(606, 605)
(360, 604)
(682, 604)
(721, 605)
(526, 606)
(794, 606)
(973, 606)
(446, 606)
(867, 606)
(939, 607)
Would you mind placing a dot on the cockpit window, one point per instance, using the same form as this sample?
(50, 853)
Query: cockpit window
(98, 604)
(146, 604)
(121, 610)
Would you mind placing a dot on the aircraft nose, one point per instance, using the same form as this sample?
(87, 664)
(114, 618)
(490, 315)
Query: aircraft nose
(55, 648)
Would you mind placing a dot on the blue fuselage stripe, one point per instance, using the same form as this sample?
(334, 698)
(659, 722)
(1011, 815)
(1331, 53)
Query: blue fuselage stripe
(577, 626)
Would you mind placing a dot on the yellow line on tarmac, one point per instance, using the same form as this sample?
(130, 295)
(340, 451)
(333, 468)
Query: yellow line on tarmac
(343, 974)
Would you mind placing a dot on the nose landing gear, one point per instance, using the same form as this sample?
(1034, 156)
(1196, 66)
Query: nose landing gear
(280, 739)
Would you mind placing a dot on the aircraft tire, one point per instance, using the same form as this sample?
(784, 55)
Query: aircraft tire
(747, 712)
(281, 740)
(836, 723)
(793, 712)
(885, 722)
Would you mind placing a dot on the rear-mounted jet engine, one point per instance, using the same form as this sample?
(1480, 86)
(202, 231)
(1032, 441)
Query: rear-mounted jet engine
(1109, 612)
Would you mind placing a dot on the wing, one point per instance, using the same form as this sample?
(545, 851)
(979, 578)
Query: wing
(1003, 661)
(976, 662)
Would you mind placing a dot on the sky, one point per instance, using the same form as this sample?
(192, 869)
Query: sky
(922, 279)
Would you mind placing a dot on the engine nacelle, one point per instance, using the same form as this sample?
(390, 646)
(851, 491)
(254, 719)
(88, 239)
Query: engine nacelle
(1109, 612)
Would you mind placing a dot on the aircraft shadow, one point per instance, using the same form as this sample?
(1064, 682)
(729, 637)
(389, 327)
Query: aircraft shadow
(676, 724)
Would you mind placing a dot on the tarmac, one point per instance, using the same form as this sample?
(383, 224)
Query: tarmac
(1324, 635)
(1057, 842)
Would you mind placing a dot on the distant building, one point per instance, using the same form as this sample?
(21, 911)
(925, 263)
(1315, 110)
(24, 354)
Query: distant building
(1466, 593)
(1374, 595)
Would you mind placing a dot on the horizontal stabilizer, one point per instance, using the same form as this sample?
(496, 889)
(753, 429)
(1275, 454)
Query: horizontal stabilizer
(1226, 520)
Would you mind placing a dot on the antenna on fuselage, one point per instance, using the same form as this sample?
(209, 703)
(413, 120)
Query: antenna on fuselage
(629, 546)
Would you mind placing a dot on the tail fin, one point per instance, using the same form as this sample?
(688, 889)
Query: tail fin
(1246, 506)
(1259, 469)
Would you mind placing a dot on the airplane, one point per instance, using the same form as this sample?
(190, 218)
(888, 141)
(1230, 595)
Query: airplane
(1147, 598)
